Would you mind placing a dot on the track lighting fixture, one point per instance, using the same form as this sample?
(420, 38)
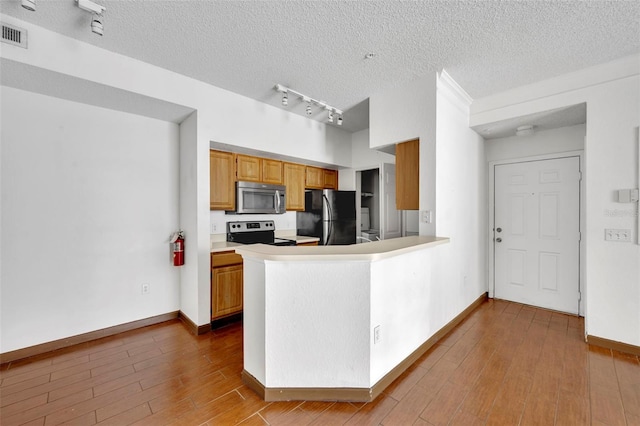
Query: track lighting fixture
(304, 98)
(29, 5)
(97, 20)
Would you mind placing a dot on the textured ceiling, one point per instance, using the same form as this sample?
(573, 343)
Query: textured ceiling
(318, 47)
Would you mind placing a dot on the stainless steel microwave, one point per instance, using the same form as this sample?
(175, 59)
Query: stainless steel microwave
(252, 197)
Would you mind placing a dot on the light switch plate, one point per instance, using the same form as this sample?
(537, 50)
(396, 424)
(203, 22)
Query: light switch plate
(622, 235)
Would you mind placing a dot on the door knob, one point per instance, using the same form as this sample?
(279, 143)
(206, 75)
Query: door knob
(498, 240)
(499, 230)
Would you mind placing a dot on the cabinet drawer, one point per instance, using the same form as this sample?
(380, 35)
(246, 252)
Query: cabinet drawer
(225, 259)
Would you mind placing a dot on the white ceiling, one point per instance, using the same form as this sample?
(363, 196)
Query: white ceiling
(318, 47)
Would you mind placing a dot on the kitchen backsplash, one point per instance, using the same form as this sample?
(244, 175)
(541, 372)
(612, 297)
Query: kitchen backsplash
(219, 219)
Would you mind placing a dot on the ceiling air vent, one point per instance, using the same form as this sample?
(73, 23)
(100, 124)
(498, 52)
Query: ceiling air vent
(14, 35)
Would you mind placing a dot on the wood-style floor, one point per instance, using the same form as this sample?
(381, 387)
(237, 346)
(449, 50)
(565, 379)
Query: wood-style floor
(506, 364)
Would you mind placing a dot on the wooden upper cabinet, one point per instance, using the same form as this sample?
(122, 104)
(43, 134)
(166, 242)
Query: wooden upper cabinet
(249, 168)
(294, 180)
(318, 178)
(408, 175)
(330, 179)
(222, 168)
(271, 171)
(314, 178)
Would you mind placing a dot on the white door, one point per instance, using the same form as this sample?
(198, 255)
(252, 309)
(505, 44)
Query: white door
(537, 233)
(392, 218)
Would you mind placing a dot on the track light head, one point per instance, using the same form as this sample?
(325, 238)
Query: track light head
(309, 109)
(330, 118)
(340, 120)
(96, 25)
(30, 5)
(285, 99)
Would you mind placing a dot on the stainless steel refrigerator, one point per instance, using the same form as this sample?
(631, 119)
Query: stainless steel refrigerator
(329, 215)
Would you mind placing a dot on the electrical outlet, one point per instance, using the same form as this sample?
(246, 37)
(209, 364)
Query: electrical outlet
(214, 228)
(376, 334)
(426, 216)
(623, 235)
(145, 288)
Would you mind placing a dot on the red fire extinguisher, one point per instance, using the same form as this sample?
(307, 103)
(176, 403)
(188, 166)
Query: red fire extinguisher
(177, 247)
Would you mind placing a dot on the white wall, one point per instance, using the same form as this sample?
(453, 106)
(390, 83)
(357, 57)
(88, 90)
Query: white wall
(612, 94)
(188, 217)
(362, 157)
(461, 197)
(452, 170)
(564, 139)
(405, 113)
(222, 116)
(90, 198)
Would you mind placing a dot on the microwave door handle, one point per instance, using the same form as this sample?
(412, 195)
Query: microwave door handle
(277, 195)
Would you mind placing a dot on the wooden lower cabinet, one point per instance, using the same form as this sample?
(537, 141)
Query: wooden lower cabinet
(315, 243)
(226, 285)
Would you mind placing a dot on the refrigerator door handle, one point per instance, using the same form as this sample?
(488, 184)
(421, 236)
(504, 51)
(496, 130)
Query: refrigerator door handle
(330, 227)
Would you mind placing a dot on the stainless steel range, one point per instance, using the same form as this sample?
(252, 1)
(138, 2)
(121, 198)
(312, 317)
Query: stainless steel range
(254, 232)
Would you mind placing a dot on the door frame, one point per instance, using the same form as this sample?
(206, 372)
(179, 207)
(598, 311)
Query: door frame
(581, 212)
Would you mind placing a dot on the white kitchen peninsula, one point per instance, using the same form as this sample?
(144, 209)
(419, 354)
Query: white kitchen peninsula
(338, 322)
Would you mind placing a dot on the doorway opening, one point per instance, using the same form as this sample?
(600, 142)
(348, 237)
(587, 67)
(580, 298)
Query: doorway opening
(551, 134)
(368, 205)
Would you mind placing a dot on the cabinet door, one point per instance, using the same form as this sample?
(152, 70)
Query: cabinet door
(249, 168)
(314, 178)
(408, 175)
(330, 179)
(272, 171)
(226, 291)
(222, 181)
(315, 243)
(294, 178)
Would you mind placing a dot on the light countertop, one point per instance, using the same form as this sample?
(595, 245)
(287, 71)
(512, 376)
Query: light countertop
(366, 251)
